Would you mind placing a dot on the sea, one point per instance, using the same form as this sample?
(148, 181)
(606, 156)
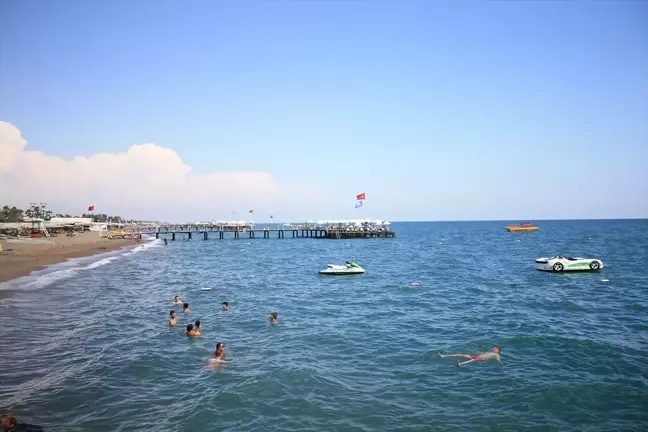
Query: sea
(86, 344)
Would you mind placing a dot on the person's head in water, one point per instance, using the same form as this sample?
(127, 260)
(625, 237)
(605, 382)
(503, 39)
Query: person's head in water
(197, 325)
(220, 349)
(172, 314)
(189, 328)
(176, 299)
(273, 317)
(185, 307)
(9, 422)
(497, 349)
(225, 305)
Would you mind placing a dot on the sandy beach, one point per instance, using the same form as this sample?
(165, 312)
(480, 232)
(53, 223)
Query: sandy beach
(21, 258)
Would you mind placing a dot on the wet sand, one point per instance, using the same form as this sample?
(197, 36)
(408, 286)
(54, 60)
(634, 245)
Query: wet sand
(29, 255)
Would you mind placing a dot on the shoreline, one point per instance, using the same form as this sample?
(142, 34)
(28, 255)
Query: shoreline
(21, 258)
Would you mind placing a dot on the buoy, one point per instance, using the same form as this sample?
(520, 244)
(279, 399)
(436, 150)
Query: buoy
(605, 280)
(205, 289)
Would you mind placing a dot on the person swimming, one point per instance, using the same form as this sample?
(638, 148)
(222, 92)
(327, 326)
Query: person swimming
(191, 332)
(176, 300)
(185, 308)
(493, 354)
(273, 317)
(172, 319)
(197, 325)
(219, 353)
(225, 306)
(9, 423)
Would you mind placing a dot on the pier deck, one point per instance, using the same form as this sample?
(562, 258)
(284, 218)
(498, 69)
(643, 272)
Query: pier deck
(265, 233)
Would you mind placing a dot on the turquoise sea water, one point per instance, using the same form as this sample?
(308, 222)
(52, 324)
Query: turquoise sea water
(86, 345)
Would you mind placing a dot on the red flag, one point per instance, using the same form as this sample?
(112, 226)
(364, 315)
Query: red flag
(251, 211)
(90, 208)
(360, 196)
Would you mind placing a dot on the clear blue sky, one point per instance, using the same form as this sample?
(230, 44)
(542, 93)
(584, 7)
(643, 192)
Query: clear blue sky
(437, 110)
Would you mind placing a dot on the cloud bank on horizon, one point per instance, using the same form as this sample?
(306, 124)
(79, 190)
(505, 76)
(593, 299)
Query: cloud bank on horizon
(152, 182)
(147, 181)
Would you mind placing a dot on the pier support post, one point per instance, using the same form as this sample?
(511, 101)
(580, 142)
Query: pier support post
(221, 235)
(205, 236)
(189, 235)
(236, 234)
(157, 235)
(172, 236)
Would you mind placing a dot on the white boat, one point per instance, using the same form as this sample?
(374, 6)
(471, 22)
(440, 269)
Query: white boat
(345, 269)
(562, 263)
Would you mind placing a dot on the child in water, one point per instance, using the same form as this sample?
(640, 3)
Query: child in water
(197, 326)
(273, 317)
(191, 332)
(185, 308)
(225, 306)
(493, 354)
(172, 319)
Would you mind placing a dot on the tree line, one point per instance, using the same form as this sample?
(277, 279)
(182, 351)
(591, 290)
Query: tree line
(13, 214)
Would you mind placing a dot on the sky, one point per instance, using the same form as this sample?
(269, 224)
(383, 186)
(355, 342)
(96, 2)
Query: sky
(437, 110)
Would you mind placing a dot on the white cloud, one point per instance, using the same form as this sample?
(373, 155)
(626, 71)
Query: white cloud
(148, 181)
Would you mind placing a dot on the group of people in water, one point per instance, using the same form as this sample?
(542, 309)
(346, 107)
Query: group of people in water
(193, 330)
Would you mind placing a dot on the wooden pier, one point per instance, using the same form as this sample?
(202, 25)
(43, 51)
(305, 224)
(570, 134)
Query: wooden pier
(189, 232)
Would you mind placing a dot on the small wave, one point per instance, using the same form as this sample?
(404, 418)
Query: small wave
(568, 305)
(54, 273)
(151, 242)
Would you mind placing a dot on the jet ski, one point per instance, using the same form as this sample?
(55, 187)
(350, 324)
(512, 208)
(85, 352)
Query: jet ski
(345, 269)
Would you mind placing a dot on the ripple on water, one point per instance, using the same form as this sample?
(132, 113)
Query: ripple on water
(354, 353)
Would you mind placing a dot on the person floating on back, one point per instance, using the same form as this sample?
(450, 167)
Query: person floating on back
(185, 308)
(191, 332)
(172, 319)
(273, 317)
(225, 306)
(493, 354)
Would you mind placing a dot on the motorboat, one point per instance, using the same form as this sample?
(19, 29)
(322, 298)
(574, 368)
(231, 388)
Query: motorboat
(561, 263)
(526, 226)
(347, 268)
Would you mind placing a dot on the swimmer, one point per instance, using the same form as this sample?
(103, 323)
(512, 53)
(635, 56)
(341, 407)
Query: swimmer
(172, 319)
(197, 326)
(493, 354)
(273, 317)
(191, 332)
(177, 300)
(216, 359)
(185, 308)
(219, 353)
(225, 306)
(9, 423)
